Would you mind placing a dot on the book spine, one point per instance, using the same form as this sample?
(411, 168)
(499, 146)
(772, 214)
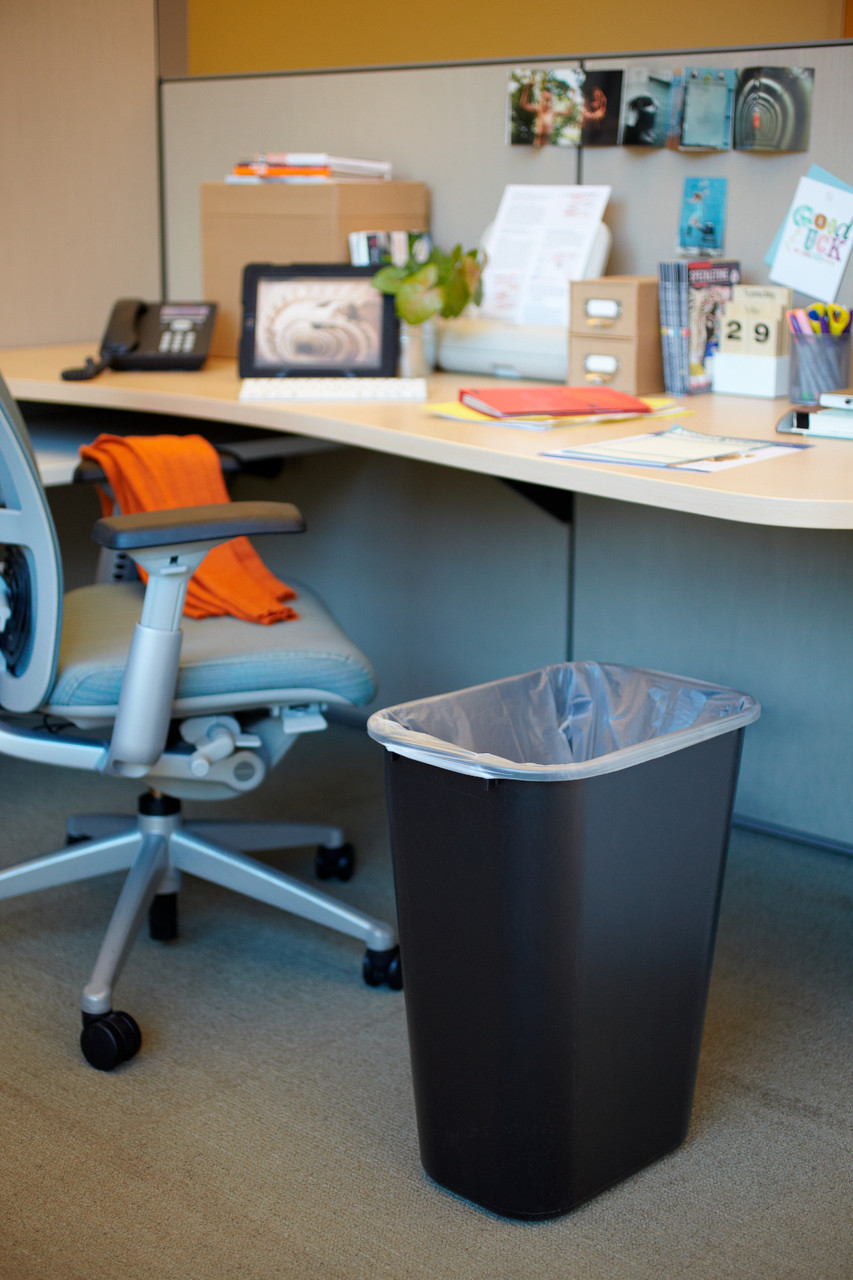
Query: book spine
(280, 171)
(673, 305)
(663, 305)
(319, 159)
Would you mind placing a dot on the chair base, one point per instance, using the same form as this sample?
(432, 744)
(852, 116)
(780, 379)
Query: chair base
(155, 847)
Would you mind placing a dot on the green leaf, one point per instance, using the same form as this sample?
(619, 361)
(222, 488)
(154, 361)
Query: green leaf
(446, 282)
(417, 300)
(388, 279)
(456, 295)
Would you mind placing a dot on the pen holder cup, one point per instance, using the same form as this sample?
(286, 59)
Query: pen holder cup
(819, 362)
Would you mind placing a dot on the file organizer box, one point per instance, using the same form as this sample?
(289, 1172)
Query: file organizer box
(283, 223)
(557, 921)
(614, 334)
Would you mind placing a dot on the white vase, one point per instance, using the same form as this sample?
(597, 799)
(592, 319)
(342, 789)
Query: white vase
(417, 349)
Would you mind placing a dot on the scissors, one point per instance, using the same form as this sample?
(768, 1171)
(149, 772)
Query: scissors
(838, 319)
(818, 318)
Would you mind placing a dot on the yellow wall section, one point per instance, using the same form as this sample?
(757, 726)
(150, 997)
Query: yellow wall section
(266, 35)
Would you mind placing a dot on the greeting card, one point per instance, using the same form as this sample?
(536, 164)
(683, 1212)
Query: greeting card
(814, 244)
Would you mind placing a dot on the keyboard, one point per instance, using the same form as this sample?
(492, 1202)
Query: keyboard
(349, 390)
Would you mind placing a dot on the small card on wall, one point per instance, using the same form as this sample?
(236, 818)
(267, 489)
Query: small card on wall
(702, 226)
(814, 245)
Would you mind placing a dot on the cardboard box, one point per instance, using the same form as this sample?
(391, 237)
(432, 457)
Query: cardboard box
(284, 223)
(614, 334)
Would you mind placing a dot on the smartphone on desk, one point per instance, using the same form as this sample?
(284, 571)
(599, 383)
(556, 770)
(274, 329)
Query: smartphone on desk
(152, 335)
(828, 421)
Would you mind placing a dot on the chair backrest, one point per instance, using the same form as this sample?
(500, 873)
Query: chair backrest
(30, 570)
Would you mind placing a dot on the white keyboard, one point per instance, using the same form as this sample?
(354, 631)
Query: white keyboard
(351, 390)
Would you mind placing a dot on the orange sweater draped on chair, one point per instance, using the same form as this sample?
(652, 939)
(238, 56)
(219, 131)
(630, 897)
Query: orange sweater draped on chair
(156, 473)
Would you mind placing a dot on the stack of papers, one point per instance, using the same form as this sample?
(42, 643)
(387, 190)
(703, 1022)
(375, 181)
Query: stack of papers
(676, 448)
(656, 407)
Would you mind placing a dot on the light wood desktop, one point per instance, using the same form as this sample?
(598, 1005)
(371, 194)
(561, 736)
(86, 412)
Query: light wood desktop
(812, 489)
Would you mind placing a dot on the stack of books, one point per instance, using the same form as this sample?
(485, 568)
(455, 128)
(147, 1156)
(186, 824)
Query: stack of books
(692, 295)
(307, 166)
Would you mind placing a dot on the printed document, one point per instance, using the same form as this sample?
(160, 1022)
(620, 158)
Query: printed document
(541, 239)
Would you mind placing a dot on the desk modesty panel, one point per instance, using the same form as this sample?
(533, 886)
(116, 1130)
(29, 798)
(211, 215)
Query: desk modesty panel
(811, 489)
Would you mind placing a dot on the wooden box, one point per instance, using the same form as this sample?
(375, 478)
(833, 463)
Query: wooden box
(284, 223)
(614, 334)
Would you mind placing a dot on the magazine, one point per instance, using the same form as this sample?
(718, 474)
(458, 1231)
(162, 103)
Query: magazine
(709, 286)
(691, 296)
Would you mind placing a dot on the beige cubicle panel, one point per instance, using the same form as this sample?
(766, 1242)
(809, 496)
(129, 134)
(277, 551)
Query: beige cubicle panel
(445, 126)
(79, 184)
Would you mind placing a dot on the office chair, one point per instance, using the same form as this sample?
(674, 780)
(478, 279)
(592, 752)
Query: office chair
(111, 678)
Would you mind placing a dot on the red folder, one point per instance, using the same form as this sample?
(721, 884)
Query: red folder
(550, 402)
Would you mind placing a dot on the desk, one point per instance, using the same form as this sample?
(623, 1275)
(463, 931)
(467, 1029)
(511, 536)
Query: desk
(813, 491)
(740, 576)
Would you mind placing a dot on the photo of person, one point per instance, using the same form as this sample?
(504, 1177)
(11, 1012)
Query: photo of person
(545, 107)
(646, 106)
(602, 104)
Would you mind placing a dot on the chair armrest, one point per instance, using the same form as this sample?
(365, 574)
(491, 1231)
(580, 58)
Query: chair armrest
(181, 525)
(87, 472)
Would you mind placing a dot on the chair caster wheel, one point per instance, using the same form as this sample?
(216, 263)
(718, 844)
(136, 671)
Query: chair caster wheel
(383, 967)
(334, 864)
(109, 1039)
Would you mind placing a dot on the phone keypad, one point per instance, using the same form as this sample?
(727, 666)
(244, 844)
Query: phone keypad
(177, 339)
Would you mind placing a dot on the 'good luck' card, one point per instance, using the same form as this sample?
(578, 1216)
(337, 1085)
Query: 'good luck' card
(815, 242)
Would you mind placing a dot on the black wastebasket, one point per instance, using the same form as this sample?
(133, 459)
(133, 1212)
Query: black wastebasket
(558, 842)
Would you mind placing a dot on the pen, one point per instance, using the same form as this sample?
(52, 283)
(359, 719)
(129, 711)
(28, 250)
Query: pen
(718, 457)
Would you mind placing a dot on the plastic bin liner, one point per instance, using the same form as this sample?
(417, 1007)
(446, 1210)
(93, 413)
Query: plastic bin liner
(572, 720)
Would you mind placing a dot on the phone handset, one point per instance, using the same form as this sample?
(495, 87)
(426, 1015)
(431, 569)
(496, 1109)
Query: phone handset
(121, 336)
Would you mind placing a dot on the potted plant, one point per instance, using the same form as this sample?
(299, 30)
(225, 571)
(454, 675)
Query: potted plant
(430, 284)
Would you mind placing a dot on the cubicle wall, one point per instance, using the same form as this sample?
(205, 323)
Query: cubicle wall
(79, 179)
(445, 125)
(431, 554)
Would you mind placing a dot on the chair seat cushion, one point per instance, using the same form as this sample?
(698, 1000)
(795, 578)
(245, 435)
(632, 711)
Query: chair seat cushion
(219, 656)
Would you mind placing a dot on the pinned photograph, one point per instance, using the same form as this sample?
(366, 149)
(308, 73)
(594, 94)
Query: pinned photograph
(703, 216)
(602, 107)
(773, 108)
(708, 109)
(646, 106)
(546, 107)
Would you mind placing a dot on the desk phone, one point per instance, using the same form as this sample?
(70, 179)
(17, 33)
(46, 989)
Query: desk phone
(152, 335)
